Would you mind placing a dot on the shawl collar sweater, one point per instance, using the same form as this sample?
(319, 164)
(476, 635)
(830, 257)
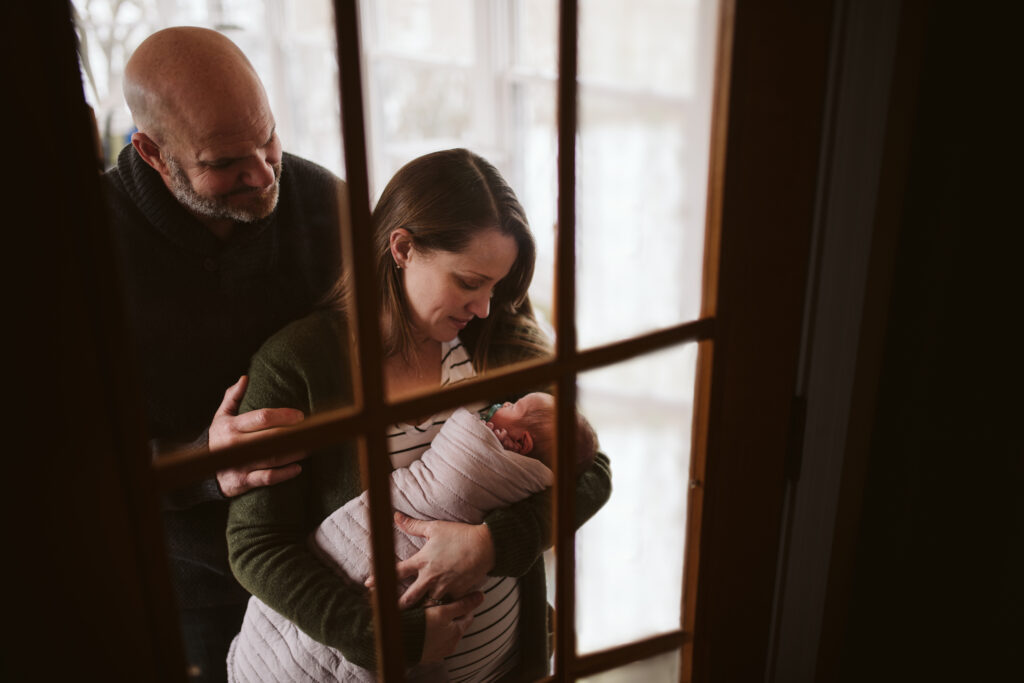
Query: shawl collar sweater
(197, 309)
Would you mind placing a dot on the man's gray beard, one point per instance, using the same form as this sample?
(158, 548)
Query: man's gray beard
(218, 207)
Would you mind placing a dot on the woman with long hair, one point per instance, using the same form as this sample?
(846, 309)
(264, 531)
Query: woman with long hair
(454, 259)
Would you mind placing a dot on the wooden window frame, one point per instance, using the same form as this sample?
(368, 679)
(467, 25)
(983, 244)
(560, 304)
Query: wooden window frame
(372, 413)
(769, 95)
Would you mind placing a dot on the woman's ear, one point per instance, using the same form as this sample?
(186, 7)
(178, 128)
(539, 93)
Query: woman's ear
(400, 242)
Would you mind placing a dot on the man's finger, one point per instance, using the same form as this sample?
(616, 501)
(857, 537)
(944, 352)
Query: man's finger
(279, 474)
(233, 398)
(271, 476)
(278, 461)
(267, 418)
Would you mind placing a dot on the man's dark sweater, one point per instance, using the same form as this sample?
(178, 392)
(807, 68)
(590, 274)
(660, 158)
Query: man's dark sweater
(198, 309)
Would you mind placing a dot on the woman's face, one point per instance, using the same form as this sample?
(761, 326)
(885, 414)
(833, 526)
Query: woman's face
(446, 290)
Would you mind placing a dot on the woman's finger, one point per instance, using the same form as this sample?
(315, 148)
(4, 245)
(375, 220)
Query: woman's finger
(405, 569)
(463, 607)
(414, 593)
(413, 527)
(408, 568)
(446, 624)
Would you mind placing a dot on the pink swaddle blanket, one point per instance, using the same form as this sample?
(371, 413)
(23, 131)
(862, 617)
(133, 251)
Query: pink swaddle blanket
(464, 474)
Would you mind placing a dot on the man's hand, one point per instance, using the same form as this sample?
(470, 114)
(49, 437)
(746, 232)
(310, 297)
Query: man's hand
(229, 428)
(446, 625)
(454, 560)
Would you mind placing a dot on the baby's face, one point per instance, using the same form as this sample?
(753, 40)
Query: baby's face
(507, 422)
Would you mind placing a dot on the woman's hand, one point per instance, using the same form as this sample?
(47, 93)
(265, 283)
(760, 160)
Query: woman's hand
(454, 560)
(446, 625)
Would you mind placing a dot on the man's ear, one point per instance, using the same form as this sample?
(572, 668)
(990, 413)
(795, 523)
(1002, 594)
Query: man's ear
(401, 245)
(150, 153)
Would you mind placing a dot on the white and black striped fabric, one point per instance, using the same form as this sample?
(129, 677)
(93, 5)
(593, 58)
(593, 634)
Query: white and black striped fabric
(490, 647)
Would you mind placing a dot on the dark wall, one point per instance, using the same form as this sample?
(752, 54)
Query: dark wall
(78, 523)
(937, 586)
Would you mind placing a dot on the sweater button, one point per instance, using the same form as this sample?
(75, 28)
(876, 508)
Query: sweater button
(210, 265)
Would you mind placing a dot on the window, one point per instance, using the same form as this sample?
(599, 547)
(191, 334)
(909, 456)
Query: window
(484, 76)
(451, 74)
(720, 330)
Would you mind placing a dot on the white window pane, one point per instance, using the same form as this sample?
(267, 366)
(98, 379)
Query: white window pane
(308, 108)
(649, 44)
(290, 43)
(642, 413)
(644, 131)
(535, 179)
(239, 15)
(536, 35)
(427, 87)
(435, 29)
(639, 223)
(419, 103)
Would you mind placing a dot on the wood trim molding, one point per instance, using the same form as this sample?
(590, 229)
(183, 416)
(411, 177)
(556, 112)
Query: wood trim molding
(773, 136)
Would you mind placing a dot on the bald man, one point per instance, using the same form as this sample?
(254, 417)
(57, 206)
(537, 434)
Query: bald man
(224, 239)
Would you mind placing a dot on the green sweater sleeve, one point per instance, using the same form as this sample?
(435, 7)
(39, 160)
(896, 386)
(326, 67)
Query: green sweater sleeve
(522, 531)
(269, 527)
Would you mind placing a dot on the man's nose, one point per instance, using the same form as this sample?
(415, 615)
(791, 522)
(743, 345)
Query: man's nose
(259, 172)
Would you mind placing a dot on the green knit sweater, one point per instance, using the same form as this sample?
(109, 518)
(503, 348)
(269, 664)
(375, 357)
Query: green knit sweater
(306, 366)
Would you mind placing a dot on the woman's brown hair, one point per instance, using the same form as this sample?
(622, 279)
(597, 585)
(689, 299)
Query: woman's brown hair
(443, 199)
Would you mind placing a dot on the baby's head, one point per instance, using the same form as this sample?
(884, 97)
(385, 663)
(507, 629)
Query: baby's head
(527, 427)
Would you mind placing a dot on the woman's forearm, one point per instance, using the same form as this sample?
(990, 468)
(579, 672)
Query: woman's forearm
(521, 532)
(270, 556)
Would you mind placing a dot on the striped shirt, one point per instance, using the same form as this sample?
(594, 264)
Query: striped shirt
(489, 649)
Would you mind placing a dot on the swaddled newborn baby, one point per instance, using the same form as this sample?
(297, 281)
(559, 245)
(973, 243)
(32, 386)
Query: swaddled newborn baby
(473, 465)
(527, 427)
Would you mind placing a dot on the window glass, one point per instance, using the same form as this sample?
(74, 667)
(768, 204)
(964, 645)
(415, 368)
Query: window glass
(422, 106)
(536, 164)
(198, 309)
(536, 36)
(437, 30)
(290, 44)
(645, 99)
(651, 45)
(632, 193)
(642, 413)
(482, 75)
